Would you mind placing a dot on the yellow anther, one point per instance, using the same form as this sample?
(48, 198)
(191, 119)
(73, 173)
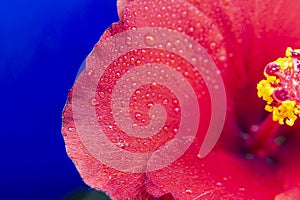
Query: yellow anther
(286, 113)
(268, 108)
(288, 52)
(284, 63)
(265, 91)
(278, 89)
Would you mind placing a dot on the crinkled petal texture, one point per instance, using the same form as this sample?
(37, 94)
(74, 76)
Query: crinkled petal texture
(241, 37)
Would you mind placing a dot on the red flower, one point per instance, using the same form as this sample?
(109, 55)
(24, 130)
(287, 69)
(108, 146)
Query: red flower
(254, 158)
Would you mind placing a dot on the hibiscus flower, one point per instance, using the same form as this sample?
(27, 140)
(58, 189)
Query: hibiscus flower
(254, 158)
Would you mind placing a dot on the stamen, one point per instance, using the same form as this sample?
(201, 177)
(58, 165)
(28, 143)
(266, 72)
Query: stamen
(281, 87)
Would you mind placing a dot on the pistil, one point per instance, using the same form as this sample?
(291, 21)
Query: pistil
(281, 88)
(281, 91)
(263, 139)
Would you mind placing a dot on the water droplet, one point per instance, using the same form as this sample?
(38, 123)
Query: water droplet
(177, 43)
(128, 40)
(149, 40)
(168, 45)
(138, 116)
(123, 103)
(153, 85)
(176, 109)
(101, 94)
(186, 73)
(153, 116)
(149, 105)
(165, 101)
(90, 72)
(175, 102)
(134, 98)
(179, 28)
(193, 61)
(122, 145)
(212, 45)
(219, 184)
(137, 92)
(191, 29)
(198, 25)
(71, 129)
(132, 60)
(222, 58)
(137, 62)
(147, 96)
(165, 128)
(188, 191)
(99, 118)
(133, 84)
(118, 74)
(94, 102)
(184, 13)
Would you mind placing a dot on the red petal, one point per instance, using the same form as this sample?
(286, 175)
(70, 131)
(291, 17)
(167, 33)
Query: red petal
(227, 30)
(95, 173)
(121, 4)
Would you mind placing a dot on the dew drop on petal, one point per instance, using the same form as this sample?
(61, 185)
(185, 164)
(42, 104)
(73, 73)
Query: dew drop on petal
(184, 13)
(101, 94)
(188, 191)
(165, 101)
(128, 40)
(153, 85)
(94, 102)
(177, 43)
(71, 129)
(168, 46)
(138, 116)
(118, 75)
(193, 60)
(149, 40)
(149, 105)
(176, 109)
(219, 184)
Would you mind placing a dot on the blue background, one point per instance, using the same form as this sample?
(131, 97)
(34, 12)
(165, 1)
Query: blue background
(42, 45)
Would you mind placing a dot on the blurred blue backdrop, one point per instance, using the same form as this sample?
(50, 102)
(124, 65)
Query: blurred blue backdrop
(42, 45)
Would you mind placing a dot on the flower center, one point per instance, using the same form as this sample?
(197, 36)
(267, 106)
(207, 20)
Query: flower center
(281, 91)
(281, 87)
